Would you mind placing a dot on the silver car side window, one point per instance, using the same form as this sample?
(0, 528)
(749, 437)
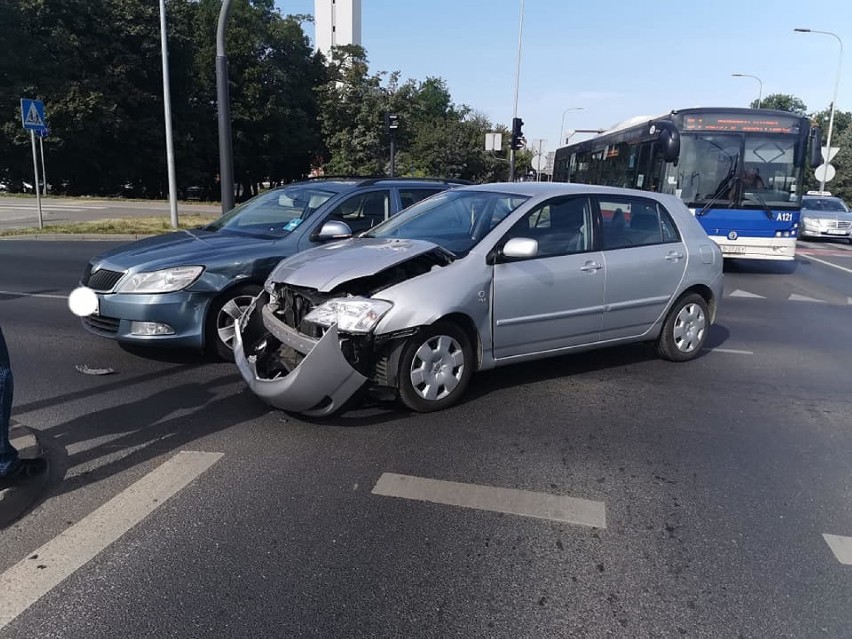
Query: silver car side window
(627, 222)
(561, 226)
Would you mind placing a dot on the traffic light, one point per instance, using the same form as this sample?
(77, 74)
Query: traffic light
(518, 140)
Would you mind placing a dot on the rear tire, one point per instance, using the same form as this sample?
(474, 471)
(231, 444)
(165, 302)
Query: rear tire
(435, 368)
(685, 329)
(227, 308)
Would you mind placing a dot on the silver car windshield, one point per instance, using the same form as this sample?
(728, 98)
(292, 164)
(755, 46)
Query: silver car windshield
(274, 213)
(456, 220)
(825, 204)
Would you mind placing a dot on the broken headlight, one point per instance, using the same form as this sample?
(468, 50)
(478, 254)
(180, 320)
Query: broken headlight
(351, 314)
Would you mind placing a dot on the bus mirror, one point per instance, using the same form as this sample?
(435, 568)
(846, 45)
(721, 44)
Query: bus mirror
(816, 147)
(669, 139)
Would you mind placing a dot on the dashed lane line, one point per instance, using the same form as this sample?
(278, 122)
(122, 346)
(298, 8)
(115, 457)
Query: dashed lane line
(841, 547)
(30, 579)
(525, 503)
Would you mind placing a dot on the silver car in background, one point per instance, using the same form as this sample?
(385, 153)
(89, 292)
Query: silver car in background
(475, 278)
(825, 216)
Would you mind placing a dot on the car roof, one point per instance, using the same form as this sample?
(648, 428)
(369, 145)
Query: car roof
(342, 182)
(548, 189)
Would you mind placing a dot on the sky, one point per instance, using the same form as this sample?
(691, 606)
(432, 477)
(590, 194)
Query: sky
(615, 59)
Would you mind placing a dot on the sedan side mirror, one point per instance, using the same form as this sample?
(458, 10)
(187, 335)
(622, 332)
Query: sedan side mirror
(334, 230)
(520, 248)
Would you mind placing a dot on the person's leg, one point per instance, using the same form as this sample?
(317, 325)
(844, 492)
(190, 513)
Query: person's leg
(8, 454)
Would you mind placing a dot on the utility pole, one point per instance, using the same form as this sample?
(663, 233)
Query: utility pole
(167, 106)
(517, 83)
(223, 100)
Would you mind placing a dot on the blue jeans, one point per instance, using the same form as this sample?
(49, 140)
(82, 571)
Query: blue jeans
(8, 455)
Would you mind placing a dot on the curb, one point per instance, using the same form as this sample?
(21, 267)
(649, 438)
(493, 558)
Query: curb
(16, 500)
(77, 236)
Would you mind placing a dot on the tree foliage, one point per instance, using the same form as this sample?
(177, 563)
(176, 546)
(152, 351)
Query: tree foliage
(782, 102)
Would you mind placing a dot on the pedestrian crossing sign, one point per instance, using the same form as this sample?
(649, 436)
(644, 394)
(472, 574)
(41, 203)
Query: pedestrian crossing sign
(32, 115)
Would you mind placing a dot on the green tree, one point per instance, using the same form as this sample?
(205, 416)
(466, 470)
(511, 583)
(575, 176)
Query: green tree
(782, 102)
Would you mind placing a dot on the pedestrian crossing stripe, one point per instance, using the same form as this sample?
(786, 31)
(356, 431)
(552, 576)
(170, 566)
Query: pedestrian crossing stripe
(33, 118)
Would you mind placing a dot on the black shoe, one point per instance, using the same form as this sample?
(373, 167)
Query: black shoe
(24, 471)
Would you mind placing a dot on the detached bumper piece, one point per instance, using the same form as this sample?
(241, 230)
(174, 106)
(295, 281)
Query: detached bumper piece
(319, 385)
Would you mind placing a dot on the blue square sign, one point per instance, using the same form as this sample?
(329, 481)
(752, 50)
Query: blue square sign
(32, 115)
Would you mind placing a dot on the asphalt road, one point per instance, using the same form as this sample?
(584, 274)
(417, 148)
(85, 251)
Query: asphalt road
(718, 478)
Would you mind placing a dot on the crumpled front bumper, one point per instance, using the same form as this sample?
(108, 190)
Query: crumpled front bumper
(318, 386)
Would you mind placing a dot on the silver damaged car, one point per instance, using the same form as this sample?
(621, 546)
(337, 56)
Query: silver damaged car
(475, 278)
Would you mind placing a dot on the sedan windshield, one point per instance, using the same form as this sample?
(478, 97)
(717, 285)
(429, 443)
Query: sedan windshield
(456, 220)
(274, 213)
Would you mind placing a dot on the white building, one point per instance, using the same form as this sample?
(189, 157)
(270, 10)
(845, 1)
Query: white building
(336, 22)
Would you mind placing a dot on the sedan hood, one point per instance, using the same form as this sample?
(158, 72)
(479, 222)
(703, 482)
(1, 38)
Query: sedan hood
(326, 267)
(827, 215)
(179, 248)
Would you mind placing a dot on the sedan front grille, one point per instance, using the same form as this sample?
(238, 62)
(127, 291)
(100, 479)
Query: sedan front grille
(840, 224)
(102, 280)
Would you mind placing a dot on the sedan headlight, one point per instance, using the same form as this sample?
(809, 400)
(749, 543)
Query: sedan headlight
(167, 280)
(351, 314)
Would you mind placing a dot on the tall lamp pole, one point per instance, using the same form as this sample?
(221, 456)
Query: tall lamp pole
(167, 106)
(759, 81)
(223, 100)
(833, 99)
(517, 82)
(562, 125)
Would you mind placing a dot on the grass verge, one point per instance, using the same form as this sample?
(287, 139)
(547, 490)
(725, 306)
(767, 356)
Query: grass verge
(117, 226)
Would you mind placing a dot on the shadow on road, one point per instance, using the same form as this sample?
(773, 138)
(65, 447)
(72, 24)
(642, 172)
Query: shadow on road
(136, 432)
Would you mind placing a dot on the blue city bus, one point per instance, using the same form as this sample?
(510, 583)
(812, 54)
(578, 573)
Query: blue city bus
(740, 171)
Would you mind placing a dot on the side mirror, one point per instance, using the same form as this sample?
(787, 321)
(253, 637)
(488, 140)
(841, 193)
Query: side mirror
(334, 230)
(816, 147)
(668, 138)
(520, 248)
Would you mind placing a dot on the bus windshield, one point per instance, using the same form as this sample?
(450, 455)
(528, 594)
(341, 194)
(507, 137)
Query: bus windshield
(737, 170)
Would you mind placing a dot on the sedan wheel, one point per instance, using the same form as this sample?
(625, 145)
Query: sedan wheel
(436, 367)
(223, 315)
(685, 329)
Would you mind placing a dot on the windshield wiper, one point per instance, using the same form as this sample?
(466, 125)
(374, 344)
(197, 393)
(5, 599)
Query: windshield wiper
(762, 202)
(728, 185)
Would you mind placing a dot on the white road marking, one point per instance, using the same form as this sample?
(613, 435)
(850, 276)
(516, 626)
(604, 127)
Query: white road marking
(841, 547)
(739, 293)
(795, 297)
(733, 351)
(44, 295)
(502, 500)
(27, 581)
(841, 268)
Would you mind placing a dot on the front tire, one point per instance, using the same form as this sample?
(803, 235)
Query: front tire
(685, 329)
(435, 368)
(220, 320)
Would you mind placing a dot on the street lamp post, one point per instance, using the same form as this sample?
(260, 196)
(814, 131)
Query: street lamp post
(759, 81)
(833, 99)
(562, 124)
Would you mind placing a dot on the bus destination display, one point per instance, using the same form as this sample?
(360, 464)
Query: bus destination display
(739, 123)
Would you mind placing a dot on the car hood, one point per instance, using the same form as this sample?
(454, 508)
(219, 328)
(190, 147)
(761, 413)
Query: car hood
(179, 248)
(326, 267)
(827, 215)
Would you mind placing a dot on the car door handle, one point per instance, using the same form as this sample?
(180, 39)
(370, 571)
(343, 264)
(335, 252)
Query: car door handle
(673, 256)
(591, 267)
